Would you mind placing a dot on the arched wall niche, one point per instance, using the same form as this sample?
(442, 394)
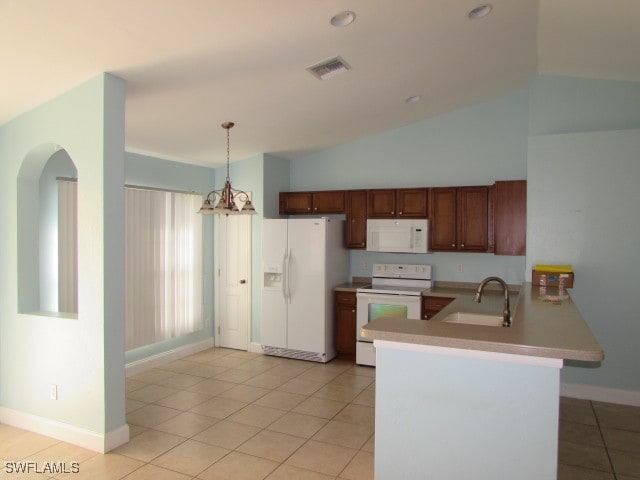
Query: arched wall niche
(37, 204)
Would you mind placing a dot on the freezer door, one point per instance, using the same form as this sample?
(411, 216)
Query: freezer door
(273, 313)
(307, 315)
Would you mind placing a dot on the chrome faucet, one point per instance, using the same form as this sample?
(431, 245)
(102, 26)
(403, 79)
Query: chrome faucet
(506, 314)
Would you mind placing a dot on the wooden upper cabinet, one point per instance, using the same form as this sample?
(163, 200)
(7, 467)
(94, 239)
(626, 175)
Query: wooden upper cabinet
(398, 203)
(381, 203)
(459, 219)
(442, 219)
(356, 219)
(510, 217)
(295, 202)
(412, 202)
(473, 219)
(330, 201)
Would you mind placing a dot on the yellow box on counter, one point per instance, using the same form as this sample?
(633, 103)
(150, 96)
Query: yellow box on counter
(552, 279)
(553, 268)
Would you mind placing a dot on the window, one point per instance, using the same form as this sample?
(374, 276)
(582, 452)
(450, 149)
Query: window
(163, 265)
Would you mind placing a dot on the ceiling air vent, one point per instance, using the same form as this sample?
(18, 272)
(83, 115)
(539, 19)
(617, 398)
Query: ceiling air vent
(329, 68)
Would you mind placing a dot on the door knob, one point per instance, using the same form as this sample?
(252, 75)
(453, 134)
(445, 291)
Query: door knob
(243, 281)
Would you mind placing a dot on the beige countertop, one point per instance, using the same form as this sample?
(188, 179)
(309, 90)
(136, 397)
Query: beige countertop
(539, 327)
(351, 286)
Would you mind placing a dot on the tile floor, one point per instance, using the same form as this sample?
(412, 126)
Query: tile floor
(225, 414)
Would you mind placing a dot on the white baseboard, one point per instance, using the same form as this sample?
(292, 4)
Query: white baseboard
(255, 347)
(97, 442)
(166, 357)
(600, 394)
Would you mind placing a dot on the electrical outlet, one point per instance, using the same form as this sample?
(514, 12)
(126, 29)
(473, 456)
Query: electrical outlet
(460, 268)
(53, 391)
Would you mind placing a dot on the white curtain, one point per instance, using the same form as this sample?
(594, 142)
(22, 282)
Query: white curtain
(163, 262)
(67, 246)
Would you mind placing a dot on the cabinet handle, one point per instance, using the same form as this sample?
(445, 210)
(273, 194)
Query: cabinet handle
(399, 213)
(353, 311)
(308, 209)
(462, 245)
(453, 244)
(392, 213)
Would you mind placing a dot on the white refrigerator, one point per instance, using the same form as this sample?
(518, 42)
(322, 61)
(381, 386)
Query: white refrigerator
(303, 260)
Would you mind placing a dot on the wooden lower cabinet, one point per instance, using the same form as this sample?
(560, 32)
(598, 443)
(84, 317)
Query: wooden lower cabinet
(345, 323)
(432, 305)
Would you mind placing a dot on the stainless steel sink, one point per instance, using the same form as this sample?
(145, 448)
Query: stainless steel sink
(474, 319)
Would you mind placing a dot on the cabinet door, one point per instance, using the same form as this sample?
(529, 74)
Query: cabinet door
(345, 323)
(473, 219)
(412, 202)
(432, 305)
(510, 217)
(442, 219)
(295, 202)
(356, 219)
(382, 203)
(331, 201)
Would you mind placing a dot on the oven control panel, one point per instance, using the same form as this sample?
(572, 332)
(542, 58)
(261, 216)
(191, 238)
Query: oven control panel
(395, 270)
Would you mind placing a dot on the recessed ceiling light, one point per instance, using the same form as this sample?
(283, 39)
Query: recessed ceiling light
(480, 11)
(343, 19)
(413, 99)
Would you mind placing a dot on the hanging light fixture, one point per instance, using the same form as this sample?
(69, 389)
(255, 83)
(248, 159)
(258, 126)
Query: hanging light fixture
(225, 201)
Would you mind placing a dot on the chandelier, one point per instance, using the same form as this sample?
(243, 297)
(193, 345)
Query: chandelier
(225, 201)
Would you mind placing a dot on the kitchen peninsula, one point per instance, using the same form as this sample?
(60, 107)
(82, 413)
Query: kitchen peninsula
(475, 401)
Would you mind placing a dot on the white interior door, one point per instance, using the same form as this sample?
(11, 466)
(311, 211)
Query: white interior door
(233, 259)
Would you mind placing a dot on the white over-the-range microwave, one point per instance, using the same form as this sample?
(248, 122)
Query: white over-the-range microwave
(398, 235)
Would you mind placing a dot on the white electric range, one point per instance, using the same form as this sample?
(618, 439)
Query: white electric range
(395, 292)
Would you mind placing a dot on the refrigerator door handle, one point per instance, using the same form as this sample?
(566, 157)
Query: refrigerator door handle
(285, 262)
(289, 256)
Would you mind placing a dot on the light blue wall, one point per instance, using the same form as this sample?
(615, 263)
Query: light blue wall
(583, 199)
(571, 104)
(144, 171)
(583, 210)
(276, 180)
(83, 356)
(472, 146)
(440, 416)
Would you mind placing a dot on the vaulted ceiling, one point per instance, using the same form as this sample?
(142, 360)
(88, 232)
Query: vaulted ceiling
(191, 65)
